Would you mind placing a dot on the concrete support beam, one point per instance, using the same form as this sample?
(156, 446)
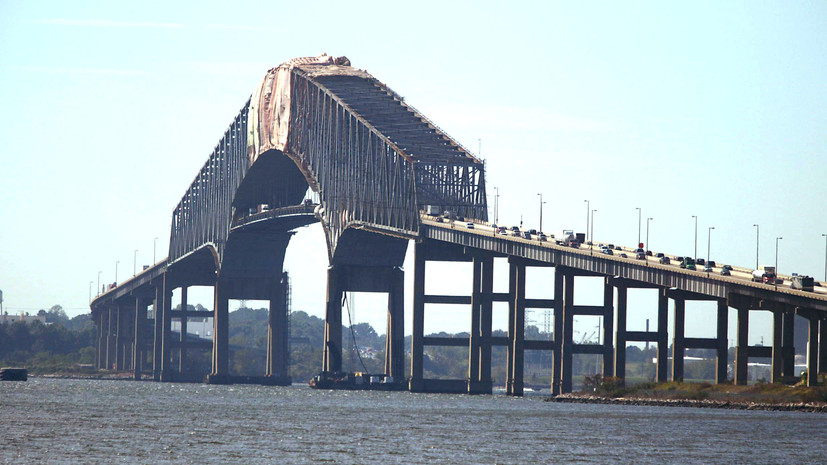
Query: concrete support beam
(556, 356)
(277, 368)
(221, 339)
(608, 327)
(663, 335)
(567, 341)
(166, 331)
(516, 327)
(722, 349)
(474, 339)
(110, 343)
(416, 383)
(678, 339)
(332, 358)
(139, 333)
(395, 340)
(822, 346)
(788, 346)
(182, 351)
(812, 352)
(486, 324)
(620, 338)
(777, 347)
(742, 346)
(157, 303)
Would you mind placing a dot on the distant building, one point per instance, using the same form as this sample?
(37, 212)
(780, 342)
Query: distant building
(24, 317)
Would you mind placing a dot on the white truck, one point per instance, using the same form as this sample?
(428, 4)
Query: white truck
(767, 275)
(569, 238)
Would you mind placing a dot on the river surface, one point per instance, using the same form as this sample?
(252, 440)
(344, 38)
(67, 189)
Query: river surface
(90, 422)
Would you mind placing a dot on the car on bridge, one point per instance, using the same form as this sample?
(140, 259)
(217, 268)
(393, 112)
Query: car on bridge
(640, 255)
(725, 271)
(469, 225)
(607, 251)
(541, 237)
(688, 263)
(665, 260)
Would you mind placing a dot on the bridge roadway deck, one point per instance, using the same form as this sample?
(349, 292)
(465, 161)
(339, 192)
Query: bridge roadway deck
(589, 260)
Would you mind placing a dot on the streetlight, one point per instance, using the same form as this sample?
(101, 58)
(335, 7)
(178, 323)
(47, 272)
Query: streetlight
(134, 263)
(757, 230)
(592, 225)
(116, 271)
(90, 290)
(647, 239)
(154, 243)
(825, 257)
(696, 236)
(99, 283)
(541, 211)
(638, 224)
(709, 243)
(776, 259)
(497, 205)
(587, 219)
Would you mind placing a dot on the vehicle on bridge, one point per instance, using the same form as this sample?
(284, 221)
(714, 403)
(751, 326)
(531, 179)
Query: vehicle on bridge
(767, 275)
(804, 283)
(688, 263)
(569, 238)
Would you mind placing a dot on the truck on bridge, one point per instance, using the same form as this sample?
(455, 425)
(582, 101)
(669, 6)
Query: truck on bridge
(767, 275)
(569, 238)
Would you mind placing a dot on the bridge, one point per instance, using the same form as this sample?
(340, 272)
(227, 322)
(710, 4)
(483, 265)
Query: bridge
(379, 167)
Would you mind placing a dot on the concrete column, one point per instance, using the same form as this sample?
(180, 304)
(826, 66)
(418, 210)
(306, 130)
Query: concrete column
(678, 344)
(138, 334)
(486, 322)
(221, 338)
(157, 303)
(777, 347)
(742, 347)
(812, 352)
(418, 325)
(332, 360)
(166, 332)
(474, 340)
(822, 346)
(395, 333)
(788, 346)
(722, 349)
(100, 355)
(567, 340)
(182, 352)
(516, 334)
(277, 332)
(117, 363)
(110, 344)
(620, 348)
(556, 360)
(608, 328)
(663, 336)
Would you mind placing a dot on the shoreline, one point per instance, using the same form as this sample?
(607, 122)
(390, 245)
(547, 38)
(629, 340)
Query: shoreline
(705, 403)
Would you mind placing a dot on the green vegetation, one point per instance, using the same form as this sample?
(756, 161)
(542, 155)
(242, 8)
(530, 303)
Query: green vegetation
(60, 344)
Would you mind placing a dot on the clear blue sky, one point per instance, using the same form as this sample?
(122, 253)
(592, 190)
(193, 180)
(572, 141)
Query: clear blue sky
(718, 109)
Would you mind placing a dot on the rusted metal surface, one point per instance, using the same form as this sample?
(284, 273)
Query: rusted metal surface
(318, 122)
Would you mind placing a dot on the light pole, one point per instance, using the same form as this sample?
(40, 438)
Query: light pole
(154, 243)
(90, 290)
(776, 259)
(709, 243)
(134, 263)
(825, 257)
(647, 239)
(638, 224)
(757, 230)
(587, 219)
(541, 211)
(696, 237)
(592, 226)
(497, 205)
(99, 283)
(116, 271)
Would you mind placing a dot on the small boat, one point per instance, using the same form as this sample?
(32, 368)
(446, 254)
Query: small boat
(357, 381)
(14, 374)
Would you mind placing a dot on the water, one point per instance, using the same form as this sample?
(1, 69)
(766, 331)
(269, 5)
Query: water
(79, 421)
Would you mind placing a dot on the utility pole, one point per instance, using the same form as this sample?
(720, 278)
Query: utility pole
(757, 230)
(497, 205)
(541, 211)
(638, 224)
(587, 219)
(696, 237)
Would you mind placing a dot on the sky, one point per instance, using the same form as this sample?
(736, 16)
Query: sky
(714, 109)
